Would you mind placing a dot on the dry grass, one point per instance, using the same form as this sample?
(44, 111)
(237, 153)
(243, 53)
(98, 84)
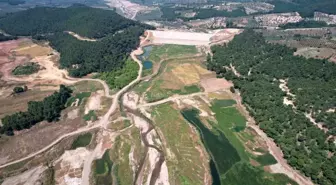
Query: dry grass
(219, 95)
(19, 102)
(34, 139)
(33, 50)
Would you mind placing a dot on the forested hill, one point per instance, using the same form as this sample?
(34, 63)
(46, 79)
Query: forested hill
(83, 20)
(306, 8)
(262, 67)
(117, 35)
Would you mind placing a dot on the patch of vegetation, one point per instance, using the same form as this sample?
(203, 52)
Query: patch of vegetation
(222, 151)
(266, 159)
(158, 93)
(224, 103)
(229, 119)
(253, 176)
(48, 109)
(119, 79)
(87, 86)
(19, 89)
(117, 35)
(305, 24)
(26, 69)
(306, 8)
(90, 116)
(170, 51)
(6, 38)
(82, 141)
(225, 153)
(304, 145)
(79, 96)
(103, 169)
(180, 142)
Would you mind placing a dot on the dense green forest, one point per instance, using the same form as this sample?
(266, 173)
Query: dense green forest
(13, 2)
(48, 109)
(83, 20)
(306, 8)
(117, 35)
(312, 81)
(5, 38)
(304, 24)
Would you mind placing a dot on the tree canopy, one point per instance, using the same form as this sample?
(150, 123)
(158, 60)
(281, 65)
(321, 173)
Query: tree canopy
(117, 36)
(48, 109)
(262, 67)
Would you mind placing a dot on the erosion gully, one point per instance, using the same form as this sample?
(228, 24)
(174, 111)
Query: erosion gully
(157, 169)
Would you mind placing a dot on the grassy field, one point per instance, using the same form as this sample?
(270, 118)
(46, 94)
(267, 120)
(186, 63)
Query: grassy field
(229, 155)
(169, 51)
(82, 141)
(87, 86)
(122, 147)
(183, 159)
(157, 92)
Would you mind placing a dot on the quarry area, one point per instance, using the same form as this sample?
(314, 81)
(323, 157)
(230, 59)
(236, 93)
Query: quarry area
(148, 132)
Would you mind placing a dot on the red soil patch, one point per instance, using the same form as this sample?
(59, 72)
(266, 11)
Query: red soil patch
(215, 84)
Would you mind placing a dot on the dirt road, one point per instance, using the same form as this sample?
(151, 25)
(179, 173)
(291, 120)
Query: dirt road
(173, 98)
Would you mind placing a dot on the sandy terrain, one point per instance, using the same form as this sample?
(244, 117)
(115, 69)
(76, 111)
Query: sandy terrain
(164, 176)
(130, 100)
(140, 123)
(30, 177)
(68, 169)
(215, 84)
(128, 8)
(153, 158)
(94, 101)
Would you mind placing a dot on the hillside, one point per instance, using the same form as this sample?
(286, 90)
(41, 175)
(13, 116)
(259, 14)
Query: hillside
(117, 35)
(292, 99)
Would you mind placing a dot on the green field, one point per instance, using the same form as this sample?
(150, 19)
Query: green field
(82, 141)
(170, 51)
(102, 169)
(184, 161)
(230, 158)
(122, 147)
(158, 93)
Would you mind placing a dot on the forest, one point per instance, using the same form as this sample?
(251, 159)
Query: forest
(305, 24)
(306, 8)
(117, 36)
(48, 109)
(5, 38)
(261, 67)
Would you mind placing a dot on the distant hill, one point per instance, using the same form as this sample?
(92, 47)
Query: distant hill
(83, 20)
(305, 7)
(117, 36)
